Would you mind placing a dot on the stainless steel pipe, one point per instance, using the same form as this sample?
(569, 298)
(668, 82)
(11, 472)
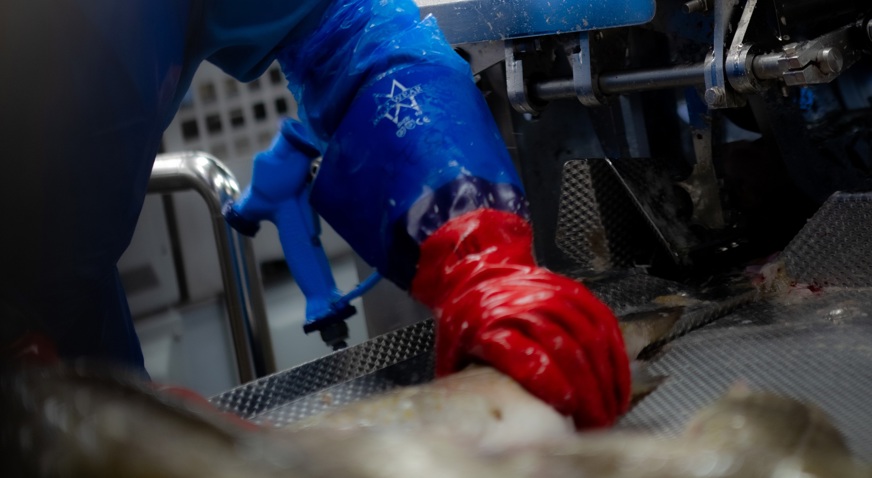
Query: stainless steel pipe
(626, 82)
(243, 293)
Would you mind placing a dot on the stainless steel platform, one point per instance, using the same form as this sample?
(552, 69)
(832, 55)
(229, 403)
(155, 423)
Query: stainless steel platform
(814, 344)
(387, 361)
(815, 348)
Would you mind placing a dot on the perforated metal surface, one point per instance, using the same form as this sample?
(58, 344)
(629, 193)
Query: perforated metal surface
(597, 222)
(413, 371)
(405, 357)
(263, 395)
(653, 193)
(625, 291)
(834, 247)
(615, 212)
(817, 349)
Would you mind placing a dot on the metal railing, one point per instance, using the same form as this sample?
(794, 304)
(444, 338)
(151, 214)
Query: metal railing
(243, 292)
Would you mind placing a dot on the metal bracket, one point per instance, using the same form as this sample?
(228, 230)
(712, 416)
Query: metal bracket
(528, 56)
(810, 62)
(516, 83)
(717, 93)
(741, 55)
(584, 80)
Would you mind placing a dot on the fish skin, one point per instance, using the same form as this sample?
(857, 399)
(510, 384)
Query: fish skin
(478, 406)
(60, 421)
(643, 382)
(742, 435)
(641, 329)
(78, 424)
(780, 424)
(625, 455)
(127, 424)
(74, 422)
(484, 408)
(389, 453)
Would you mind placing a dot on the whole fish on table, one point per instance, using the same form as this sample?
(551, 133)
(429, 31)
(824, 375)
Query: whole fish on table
(478, 406)
(744, 434)
(484, 408)
(98, 422)
(71, 422)
(85, 422)
(784, 426)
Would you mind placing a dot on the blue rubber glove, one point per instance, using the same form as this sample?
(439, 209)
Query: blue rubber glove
(279, 193)
(413, 157)
(409, 142)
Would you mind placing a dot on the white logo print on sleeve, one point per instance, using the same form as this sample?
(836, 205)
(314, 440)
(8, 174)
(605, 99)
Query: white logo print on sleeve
(400, 107)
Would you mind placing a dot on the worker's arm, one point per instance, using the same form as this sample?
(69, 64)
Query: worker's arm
(417, 179)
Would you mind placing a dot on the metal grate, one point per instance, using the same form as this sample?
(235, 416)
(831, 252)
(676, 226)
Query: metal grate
(654, 195)
(252, 399)
(625, 291)
(413, 371)
(833, 248)
(817, 349)
(597, 221)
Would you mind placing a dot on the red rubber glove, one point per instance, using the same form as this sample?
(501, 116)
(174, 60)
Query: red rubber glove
(494, 305)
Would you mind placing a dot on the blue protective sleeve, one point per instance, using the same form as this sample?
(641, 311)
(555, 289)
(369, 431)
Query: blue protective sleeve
(409, 142)
(359, 42)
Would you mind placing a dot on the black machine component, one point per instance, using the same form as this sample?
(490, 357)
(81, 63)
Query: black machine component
(755, 112)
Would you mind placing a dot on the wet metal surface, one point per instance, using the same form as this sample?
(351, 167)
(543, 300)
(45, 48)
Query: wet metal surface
(254, 399)
(815, 347)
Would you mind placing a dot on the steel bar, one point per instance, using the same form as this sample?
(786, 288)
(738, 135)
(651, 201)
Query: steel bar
(625, 82)
(243, 293)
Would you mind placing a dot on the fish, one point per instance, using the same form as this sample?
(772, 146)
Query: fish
(745, 420)
(94, 421)
(66, 421)
(744, 434)
(641, 329)
(478, 406)
(73, 421)
(90, 421)
(483, 408)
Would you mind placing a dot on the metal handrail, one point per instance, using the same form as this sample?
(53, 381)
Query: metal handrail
(243, 292)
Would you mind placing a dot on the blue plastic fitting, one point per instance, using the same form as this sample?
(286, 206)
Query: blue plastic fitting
(279, 193)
